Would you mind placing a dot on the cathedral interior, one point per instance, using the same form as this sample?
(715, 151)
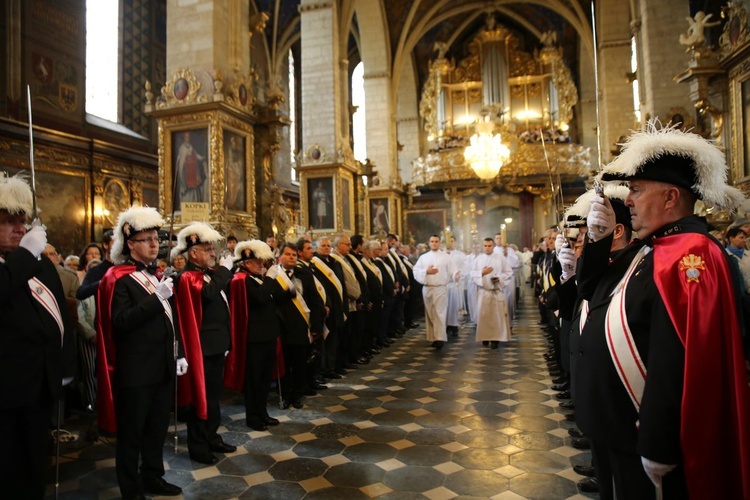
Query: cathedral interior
(323, 117)
(356, 116)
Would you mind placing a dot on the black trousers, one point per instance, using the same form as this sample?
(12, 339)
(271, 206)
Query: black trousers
(356, 335)
(258, 375)
(625, 471)
(201, 434)
(384, 320)
(345, 334)
(295, 381)
(330, 349)
(142, 422)
(23, 455)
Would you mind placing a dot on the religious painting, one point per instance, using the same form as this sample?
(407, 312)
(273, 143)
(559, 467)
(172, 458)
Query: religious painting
(116, 199)
(421, 224)
(62, 202)
(320, 203)
(346, 203)
(190, 166)
(380, 216)
(234, 171)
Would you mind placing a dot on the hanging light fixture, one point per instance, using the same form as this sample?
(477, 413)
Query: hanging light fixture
(486, 152)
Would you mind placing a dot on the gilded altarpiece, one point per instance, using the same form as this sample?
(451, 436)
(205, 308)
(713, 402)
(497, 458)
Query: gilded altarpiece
(206, 156)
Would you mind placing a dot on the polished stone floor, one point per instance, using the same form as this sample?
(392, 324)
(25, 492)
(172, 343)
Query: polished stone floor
(465, 422)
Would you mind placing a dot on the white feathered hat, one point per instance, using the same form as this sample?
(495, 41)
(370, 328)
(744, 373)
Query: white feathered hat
(680, 158)
(195, 233)
(130, 222)
(576, 214)
(15, 195)
(252, 249)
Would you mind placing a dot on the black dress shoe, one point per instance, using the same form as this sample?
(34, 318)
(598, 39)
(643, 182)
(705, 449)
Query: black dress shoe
(563, 395)
(319, 387)
(575, 432)
(309, 392)
(268, 420)
(570, 417)
(340, 371)
(561, 387)
(486, 343)
(333, 376)
(567, 405)
(158, 486)
(223, 448)
(297, 404)
(201, 458)
(439, 344)
(389, 341)
(584, 470)
(414, 325)
(285, 404)
(560, 380)
(350, 366)
(581, 443)
(374, 350)
(260, 426)
(555, 373)
(363, 361)
(495, 344)
(589, 485)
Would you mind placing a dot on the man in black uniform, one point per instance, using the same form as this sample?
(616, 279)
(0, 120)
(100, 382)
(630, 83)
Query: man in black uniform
(203, 310)
(35, 346)
(255, 330)
(375, 298)
(389, 292)
(137, 333)
(357, 332)
(331, 275)
(299, 322)
(661, 386)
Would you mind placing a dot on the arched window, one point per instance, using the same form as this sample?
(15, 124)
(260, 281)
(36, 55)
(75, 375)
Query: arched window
(102, 45)
(359, 123)
(292, 118)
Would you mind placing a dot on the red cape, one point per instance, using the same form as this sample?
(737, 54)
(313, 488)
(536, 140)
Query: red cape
(191, 389)
(106, 355)
(234, 369)
(715, 427)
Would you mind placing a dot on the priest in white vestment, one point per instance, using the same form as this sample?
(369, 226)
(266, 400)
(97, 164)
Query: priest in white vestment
(491, 272)
(510, 288)
(471, 287)
(434, 270)
(456, 304)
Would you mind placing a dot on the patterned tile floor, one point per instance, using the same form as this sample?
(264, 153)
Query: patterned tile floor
(465, 422)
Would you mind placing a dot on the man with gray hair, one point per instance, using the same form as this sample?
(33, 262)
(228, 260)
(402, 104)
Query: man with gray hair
(343, 246)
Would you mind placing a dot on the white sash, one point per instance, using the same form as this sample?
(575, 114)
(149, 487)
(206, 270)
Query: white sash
(372, 267)
(345, 264)
(622, 348)
(358, 264)
(400, 264)
(328, 272)
(147, 282)
(387, 269)
(407, 263)
(44, 296)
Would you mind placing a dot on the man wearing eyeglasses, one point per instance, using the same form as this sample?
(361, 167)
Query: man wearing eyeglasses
(137, 355)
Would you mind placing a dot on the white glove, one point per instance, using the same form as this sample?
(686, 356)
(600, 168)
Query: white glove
(559, 242)
(272, 272)
(164, 288)
(655, 471)
(226, 353)
(67, 381)
(182, 367)
(35, 240)
(601, 218)
(568, 261)
(227, 262)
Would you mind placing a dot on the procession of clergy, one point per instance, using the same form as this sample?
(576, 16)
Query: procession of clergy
(642, 308)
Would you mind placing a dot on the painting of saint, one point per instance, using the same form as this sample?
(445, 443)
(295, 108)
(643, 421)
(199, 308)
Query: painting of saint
(191, 166)
(234, 171)
(320, 203)
(381, 219)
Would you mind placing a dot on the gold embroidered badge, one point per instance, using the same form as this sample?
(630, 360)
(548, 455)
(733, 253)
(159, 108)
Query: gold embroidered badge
(692, 265)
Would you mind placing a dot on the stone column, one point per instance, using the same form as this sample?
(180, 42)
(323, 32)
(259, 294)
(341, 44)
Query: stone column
(662, 57)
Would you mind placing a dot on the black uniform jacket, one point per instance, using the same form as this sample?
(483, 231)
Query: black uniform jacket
(604, 409)
(337, 307)
(214, 328)
(33, 357)
(388, 284)
(143, 334)
(294, 327)
(262, 315)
